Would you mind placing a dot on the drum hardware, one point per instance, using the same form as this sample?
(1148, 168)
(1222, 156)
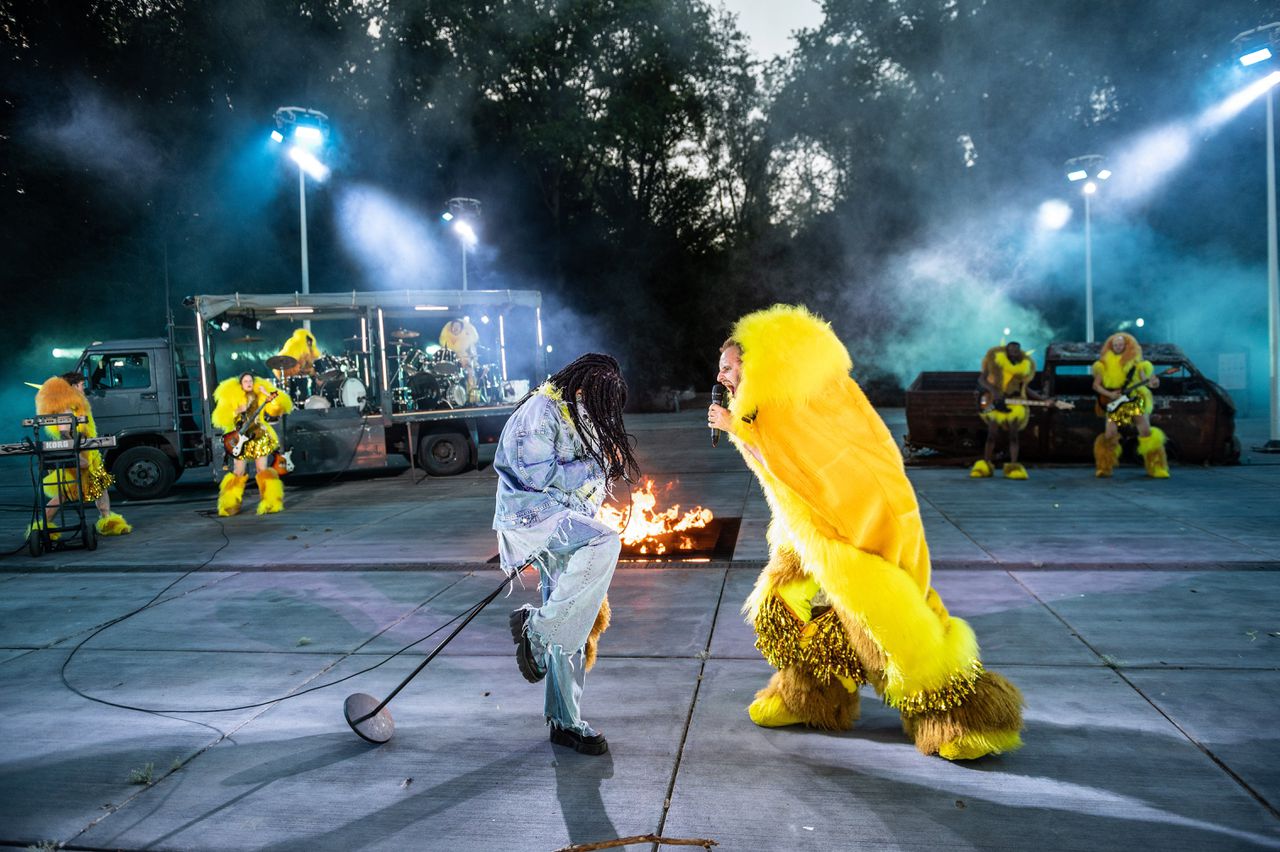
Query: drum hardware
(405, 334)
(248, 338)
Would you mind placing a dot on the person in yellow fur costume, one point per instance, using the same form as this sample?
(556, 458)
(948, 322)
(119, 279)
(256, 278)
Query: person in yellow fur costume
(65, 395)
(301, 346)
(1120, 366)
(1006, 372)
(233, 398)
(845, 598)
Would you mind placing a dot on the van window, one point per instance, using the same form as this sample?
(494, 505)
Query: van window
(121, 371)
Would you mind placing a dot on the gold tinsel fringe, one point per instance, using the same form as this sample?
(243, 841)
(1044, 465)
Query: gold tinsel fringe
(819, 647)
(259, 446)
(951, 694)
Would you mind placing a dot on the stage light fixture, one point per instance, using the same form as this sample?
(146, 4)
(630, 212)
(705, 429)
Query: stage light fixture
(1078, 174)
(1262, 54)
(446, 216)
(1104, 174)
(308, 135)
(1090, 188)
(465, 231)
(277, 136)
(308, 163)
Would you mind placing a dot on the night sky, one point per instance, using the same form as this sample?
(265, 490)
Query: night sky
(641, 166)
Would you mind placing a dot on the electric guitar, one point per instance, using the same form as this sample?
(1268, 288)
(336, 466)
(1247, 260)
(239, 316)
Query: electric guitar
(1110, 406)
(233, 442)
(985, 403)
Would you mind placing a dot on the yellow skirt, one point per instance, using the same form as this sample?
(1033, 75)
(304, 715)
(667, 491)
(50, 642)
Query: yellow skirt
(63, 482)
(1015, 418)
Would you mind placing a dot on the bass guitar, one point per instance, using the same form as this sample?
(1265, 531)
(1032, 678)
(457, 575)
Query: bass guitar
(985, 403)
(1110, 406)
(234, 441)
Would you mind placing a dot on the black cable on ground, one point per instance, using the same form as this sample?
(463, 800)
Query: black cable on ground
(474, 608)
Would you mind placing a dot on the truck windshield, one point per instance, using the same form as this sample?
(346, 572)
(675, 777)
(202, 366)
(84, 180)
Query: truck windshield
(118, 371)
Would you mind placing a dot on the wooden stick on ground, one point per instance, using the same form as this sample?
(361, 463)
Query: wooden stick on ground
(638, 838)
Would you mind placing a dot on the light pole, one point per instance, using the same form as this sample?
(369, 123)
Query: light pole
(306, 130)
(1260, 46)
(1092, 170)
(462, 214)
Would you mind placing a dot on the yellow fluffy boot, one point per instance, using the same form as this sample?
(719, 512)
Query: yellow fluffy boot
(230, 493)
(1106, 454)
(113, 524)
(795, 698)
(981, 469)
(270, 492)
(1154, 458)
(987, 722)
(1013, 470)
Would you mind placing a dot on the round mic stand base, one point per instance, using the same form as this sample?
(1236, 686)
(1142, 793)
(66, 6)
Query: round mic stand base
(377, 728)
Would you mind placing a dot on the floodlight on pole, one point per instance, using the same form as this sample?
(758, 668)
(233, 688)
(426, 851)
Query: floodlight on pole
(1083, 169)
(309, 129)
(1254, 47)
(463, 213)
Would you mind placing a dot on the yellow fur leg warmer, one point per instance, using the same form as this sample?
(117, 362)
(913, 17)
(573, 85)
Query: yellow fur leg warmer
(1014, 470)
(1154, 457)
(1106, 454)
(113, 524)
(270, 492)
(597, 630)
(794, 698)
(230, 493)
(987, 722)
(980, 470)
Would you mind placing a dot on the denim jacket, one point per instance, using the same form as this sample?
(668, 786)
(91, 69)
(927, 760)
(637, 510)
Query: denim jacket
(543, 467)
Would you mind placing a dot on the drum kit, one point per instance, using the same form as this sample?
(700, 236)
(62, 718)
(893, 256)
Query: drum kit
(440, 379)
(335, 383)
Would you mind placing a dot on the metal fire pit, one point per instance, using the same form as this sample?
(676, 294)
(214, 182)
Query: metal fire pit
(714, 541)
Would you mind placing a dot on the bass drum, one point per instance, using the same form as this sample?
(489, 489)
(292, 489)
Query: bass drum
(316, 402)
(352, 393)
(434, 392)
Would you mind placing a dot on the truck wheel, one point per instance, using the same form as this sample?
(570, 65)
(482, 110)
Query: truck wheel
(34, 545)
(143, 473)
(90, 535)
(444, 454)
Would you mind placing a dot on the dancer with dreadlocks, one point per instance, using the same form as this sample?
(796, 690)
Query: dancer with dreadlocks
(562, 447)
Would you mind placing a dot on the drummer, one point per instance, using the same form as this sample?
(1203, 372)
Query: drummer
(301, 347)
(460, 337)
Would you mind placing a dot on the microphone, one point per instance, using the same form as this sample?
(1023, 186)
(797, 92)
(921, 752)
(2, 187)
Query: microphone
(717, 398)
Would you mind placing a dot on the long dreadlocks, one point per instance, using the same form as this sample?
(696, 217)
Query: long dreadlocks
(596, 381)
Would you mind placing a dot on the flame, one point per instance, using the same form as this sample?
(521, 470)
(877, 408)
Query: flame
(651, 529)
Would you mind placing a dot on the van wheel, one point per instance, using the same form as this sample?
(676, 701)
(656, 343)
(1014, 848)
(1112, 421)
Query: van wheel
(444, 454)
(143, 473)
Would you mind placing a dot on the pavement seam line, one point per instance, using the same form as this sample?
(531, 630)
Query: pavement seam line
(253, 717)
(1132, 502)
(1221, 764)
(693, 704)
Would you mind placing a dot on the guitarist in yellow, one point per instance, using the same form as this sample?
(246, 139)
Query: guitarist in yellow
(1006, 371)
(1121, 371)
(241, 408)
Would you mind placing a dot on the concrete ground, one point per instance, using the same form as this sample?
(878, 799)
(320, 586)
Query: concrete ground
(1140, 619)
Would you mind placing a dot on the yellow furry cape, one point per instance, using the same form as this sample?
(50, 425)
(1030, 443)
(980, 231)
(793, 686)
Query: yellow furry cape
(835, 481)
(1003, 373)
(228, 396)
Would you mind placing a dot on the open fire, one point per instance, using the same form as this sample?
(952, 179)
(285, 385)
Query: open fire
(646, 530)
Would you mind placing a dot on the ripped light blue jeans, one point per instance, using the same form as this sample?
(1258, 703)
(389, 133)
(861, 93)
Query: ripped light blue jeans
(575, 567)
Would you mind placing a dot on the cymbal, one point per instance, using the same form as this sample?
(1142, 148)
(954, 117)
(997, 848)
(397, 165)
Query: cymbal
(247, 339)
(281, 362)
(404, 333)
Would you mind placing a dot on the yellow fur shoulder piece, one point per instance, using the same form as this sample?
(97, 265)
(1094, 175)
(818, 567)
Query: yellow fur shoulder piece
(552, 393)
(57, 396)
(1027, 367)
(789, 355)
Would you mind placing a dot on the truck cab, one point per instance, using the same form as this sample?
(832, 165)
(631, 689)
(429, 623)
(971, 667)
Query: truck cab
(141, 393)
